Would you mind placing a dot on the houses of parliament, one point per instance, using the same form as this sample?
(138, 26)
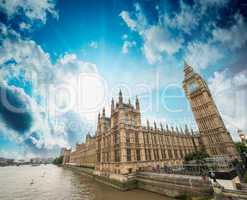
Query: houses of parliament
(123, 145)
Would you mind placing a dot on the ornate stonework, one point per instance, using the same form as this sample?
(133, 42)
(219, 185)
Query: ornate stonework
(122, 145)
(215, 138)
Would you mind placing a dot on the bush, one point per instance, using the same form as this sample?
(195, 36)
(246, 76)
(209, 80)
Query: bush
(58, 160)
(198, 156)
(245, 177)
(241, 147)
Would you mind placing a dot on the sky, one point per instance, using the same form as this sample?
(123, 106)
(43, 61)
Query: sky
(62, 61)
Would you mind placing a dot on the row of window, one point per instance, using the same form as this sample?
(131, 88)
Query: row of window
(172, 154)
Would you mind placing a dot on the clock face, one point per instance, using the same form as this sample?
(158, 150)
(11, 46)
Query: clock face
(193, 86)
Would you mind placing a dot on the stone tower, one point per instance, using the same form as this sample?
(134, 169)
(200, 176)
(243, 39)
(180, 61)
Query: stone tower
(215, 138)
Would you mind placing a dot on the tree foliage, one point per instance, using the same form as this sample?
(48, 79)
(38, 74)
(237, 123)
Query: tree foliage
(245, 177)
(58, 160)
(241, 147)
(197, 156)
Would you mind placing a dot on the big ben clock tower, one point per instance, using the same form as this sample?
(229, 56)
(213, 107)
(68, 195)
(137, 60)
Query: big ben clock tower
(215, 138)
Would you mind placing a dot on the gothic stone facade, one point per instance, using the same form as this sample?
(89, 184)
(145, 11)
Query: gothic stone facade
(84, 154)
(215, 138)
(123, 145)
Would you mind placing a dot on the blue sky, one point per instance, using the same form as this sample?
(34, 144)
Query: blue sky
(62, 61)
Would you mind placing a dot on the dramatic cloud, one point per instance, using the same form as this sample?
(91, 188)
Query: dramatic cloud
(157, 41)
(37, 129)
(69, 63)
(201, 55)
(132, 24)
(234, 36)
(14, 109)
(186, 20)
(33, 10)
(229, 91)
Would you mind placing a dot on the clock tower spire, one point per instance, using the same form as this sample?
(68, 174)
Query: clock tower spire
(214, 136)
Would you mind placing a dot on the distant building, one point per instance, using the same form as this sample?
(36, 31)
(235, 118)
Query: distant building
(84, 154)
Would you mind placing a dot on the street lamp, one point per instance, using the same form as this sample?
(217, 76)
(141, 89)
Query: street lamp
(242, 136)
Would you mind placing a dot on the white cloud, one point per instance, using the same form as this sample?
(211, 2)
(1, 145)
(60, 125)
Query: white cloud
(93, 44)
(34, 10)
(186, 20)
(206, 4)
(202, 55)
(19, 56)
(132, 24)
(24, 26)
(69, 63)
(157, 41)
(230, 94)
(233, 37)
(27, 56)
(127, 45)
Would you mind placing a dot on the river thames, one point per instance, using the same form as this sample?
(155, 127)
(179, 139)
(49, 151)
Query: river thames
(49, 182)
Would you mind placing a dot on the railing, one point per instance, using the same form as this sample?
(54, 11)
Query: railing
(192, 169)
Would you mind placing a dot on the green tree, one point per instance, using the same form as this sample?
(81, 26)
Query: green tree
(58, 160)
(241, 147)
(197, 155)
(245, 177)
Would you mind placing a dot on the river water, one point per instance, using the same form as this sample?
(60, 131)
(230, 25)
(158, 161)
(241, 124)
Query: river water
(49, 182)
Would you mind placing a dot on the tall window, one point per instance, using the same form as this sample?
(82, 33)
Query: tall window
(170, 153)
(176, 154)
(128, 154)
(127, 138)
(117, 138)
(146, 154)
(138, 155)
(136, 138)
(117, 155)
(98, 157)
(149, 154)
(126, 119)
(181, 153)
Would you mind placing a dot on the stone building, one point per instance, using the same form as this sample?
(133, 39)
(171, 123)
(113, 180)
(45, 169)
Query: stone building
(215, 138)
(123, 145)
(84, 154)
(66, 155)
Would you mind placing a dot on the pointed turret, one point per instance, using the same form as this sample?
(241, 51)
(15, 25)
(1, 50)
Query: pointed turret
(161, 127)
(112, 105)
(188, 70)
(103, 112)
(137, 104)
(148, 124)
(167, 128)
(120, 97)
(181, 130)
(186, 129)
(172, 129)
(177, 130)
(155, 127)
(191, 131)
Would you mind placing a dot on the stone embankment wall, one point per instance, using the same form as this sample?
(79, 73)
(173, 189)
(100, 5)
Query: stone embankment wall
(174, 185)
(169, 185)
